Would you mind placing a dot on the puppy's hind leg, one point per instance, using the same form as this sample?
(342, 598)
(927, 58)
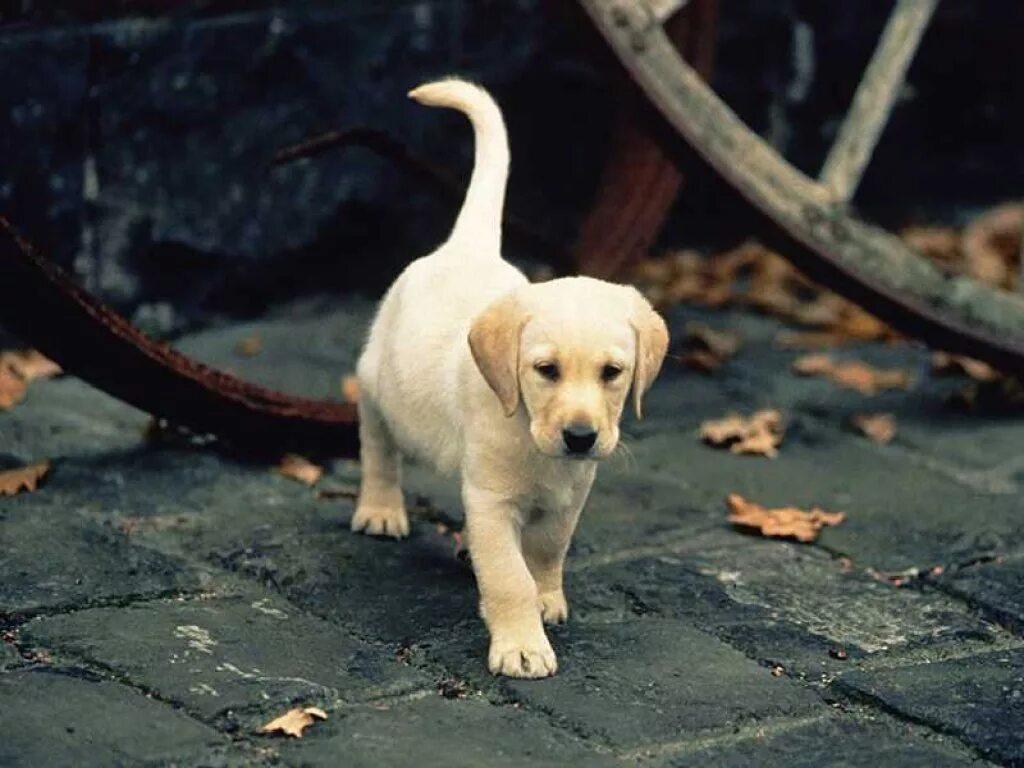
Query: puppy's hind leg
(380, 510)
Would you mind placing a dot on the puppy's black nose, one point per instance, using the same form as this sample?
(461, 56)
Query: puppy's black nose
(579, 438)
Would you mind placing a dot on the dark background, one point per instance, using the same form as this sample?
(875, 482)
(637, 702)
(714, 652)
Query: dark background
(136, 137)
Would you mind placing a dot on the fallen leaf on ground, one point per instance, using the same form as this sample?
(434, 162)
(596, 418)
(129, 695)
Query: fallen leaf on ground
(300, 468)
(350, 388)
(720, 343)
(880, 427)
(250, 346)
(12, 387)
(294, 721)
(17, 370)
(760, 434)
(753, 275)
(940, 244)
(853, 374)
(30, 365)
(785, 522)
(944, 364)
(707, 347)
(992, 245)
(14, 481)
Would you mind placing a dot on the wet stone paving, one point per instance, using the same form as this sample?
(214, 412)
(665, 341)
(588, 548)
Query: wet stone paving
(160, 602)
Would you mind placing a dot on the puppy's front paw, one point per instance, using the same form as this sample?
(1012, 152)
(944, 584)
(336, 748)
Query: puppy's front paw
(553, 608)
(516, 656)
(381, 520)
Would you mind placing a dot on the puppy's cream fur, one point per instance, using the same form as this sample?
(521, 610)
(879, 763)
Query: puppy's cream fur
(473, 370)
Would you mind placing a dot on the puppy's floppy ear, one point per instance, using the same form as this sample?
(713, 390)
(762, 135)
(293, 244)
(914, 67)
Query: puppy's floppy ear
(651, 346)
(494, 342)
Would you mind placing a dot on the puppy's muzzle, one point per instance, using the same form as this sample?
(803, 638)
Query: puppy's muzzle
(579, 439)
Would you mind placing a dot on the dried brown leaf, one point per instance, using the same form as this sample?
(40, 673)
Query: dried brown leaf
(853, 374)
(752, 275)
(707, 347)
(701, 360)
(785, 522)
(17, 370)
(857, 325)
(294, 721)
(944, 364)
(12, 387)
(880, 427)
(350, 388)
(720, 343)
(940, 244)
(813, 365)
(991, 245)
(14, 481)
(300, 468)
(30, 365)
(760, 434)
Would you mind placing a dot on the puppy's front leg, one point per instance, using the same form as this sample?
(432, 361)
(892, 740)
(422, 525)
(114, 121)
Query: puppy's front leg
(380, 510)
(508, 594)
(546, 540)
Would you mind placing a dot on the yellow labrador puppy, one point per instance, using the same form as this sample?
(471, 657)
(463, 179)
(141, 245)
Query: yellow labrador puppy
(516, 387)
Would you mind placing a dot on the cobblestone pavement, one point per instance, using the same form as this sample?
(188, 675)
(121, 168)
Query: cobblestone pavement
(159, 603)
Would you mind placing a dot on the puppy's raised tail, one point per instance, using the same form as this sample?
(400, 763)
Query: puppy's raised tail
(478, 226)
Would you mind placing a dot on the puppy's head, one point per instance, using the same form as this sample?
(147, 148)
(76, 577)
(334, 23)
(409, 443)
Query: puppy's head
(569, 351)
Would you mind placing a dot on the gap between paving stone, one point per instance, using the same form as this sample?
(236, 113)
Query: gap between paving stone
(215, 655)
(968, 699)
(721, 737)
(997, 480)
(119, 724)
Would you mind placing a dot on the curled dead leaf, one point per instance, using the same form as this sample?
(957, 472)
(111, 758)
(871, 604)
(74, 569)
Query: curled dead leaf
(880, 427)
(701, 360)
(18, 369)
(784, 522)
(760, 434)
(755, 276)
(939, 244)
(350, 388)
(294, 721)
(30, 364)
(944, 364)
(12, 387)
(14, 481)
(299, 468)
(722, 344)
(853, 374)
(707, 347)
(992, 245)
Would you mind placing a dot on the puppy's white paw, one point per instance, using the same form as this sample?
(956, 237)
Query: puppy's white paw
(553, 607)
(381, 521)
(529, 657)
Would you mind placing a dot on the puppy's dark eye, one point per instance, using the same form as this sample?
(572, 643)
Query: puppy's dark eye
(610, 372)
(548, 370)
